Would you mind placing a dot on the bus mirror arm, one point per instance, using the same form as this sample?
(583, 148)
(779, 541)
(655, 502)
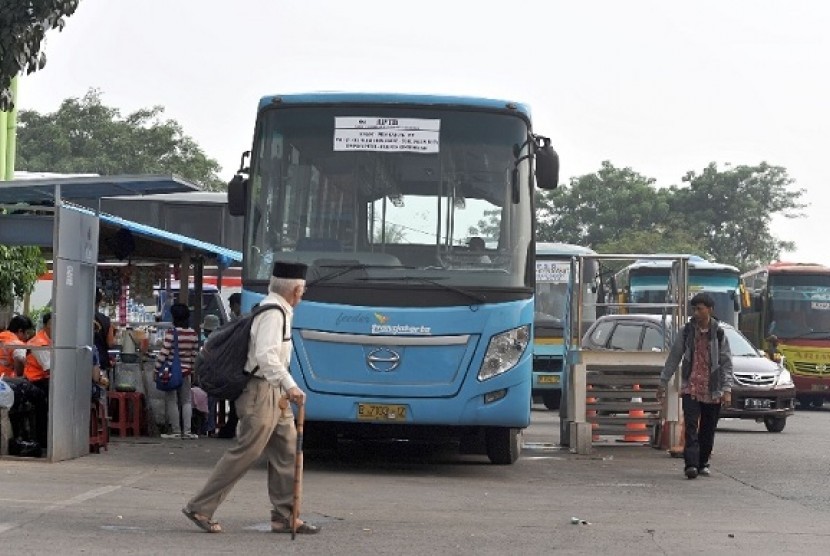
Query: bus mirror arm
(242, 168)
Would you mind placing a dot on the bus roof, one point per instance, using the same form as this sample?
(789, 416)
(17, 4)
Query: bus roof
(393, 98)
(780, 267)
(564, 249)
(695, 263)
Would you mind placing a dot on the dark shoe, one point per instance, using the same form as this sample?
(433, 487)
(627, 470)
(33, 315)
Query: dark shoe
(691, 472)
(281, 524)
(704, 471)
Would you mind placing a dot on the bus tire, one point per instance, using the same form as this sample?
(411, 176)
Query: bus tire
(503, 445)
(775, 424)
(552, 399)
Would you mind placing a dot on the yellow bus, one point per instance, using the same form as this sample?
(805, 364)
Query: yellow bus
(789, 313)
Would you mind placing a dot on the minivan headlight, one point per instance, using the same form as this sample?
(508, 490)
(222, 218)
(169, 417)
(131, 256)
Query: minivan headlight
(504, 352)
(785, 378)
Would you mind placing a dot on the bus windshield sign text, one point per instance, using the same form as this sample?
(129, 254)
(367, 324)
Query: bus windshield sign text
(387, 134)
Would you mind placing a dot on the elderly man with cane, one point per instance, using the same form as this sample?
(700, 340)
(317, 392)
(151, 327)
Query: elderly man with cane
(264, 426)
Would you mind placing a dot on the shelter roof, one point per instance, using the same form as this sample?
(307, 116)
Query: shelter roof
(151, 243)
(41, 190)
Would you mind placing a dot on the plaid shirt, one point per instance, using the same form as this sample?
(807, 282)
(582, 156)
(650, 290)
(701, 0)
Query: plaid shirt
(698, 386)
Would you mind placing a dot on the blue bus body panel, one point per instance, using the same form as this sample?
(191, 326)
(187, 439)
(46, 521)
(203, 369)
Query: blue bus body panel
(391, 99)
(438, 383)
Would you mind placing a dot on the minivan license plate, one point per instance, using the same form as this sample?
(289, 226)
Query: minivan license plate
(756, 403)
(380, 412)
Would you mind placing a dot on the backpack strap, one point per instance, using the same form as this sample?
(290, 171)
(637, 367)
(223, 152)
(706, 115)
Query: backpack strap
(262, 308)
(176, 341)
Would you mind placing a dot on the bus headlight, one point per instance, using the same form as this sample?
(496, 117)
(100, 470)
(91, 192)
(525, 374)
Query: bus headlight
(504, 352)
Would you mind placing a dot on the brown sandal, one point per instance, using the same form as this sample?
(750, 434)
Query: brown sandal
(280, 524)
(204, 523)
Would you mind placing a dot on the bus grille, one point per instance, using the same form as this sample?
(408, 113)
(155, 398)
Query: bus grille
(547, 364)
(811, 369)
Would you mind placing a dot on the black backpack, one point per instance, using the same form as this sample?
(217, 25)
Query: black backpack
(220, 365)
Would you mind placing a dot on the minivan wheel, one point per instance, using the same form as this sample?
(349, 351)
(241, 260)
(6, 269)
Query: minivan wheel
(775, 424)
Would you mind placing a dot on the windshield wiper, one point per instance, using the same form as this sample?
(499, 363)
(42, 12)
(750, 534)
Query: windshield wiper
(345, 270)
(466, 293)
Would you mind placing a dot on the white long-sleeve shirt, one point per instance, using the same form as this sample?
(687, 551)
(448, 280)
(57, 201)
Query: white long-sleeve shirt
(268, 349)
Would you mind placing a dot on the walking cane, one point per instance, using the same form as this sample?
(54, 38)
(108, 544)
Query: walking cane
(298, 471)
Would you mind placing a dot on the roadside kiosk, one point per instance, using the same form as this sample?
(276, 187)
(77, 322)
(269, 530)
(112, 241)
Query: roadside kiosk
(43, 212)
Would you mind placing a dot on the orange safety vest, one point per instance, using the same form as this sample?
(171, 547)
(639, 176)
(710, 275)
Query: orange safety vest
(33, 369)
(7, 354)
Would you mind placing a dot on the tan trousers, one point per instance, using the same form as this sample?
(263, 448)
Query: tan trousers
(262, 428)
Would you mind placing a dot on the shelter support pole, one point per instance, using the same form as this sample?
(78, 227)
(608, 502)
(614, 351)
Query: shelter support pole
(580, 433)
(198, 286)
(184, 278)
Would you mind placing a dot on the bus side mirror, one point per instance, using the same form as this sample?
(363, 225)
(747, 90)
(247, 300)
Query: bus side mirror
(547, 165)
(237, 195)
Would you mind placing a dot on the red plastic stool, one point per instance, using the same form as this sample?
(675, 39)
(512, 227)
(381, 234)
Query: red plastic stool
(125, 412)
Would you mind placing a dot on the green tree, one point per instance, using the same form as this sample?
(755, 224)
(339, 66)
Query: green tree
(23, 26)
(19, 270)
(675, 240)
(731, 211)
(595, 209)
(393, 233)
(85, 136)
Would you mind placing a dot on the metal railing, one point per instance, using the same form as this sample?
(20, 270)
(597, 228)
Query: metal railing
(614, 393)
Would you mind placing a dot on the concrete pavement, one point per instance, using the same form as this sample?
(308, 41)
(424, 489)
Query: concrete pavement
(127, 500)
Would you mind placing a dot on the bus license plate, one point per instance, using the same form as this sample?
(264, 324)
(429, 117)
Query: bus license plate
(380, 412)
(756, 403)
(549, 379)
(820, 387)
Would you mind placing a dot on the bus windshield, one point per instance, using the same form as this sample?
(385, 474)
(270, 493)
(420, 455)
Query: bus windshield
(800, 306)
(552, 283)
(418, 196)
(724, 301)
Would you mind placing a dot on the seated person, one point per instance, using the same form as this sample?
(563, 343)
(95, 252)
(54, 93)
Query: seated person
(99, 379)
(477, 247)
(12, 360)
(36, 370)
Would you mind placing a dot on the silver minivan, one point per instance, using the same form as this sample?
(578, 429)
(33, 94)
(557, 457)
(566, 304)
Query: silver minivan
(762, 389)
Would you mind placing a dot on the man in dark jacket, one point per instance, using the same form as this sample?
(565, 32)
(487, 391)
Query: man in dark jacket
(702, 351)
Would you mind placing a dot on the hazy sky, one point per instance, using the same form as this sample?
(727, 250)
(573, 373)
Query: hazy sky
(658, 86)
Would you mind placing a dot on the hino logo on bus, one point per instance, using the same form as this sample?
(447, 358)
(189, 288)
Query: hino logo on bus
(383, 360)
(821, 367)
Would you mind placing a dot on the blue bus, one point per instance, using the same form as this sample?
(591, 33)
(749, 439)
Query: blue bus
(647, 281)
(556, 311)
(415, 216)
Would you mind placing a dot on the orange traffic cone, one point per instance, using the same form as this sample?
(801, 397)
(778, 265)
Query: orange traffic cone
(639, 427)
(592, 413)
